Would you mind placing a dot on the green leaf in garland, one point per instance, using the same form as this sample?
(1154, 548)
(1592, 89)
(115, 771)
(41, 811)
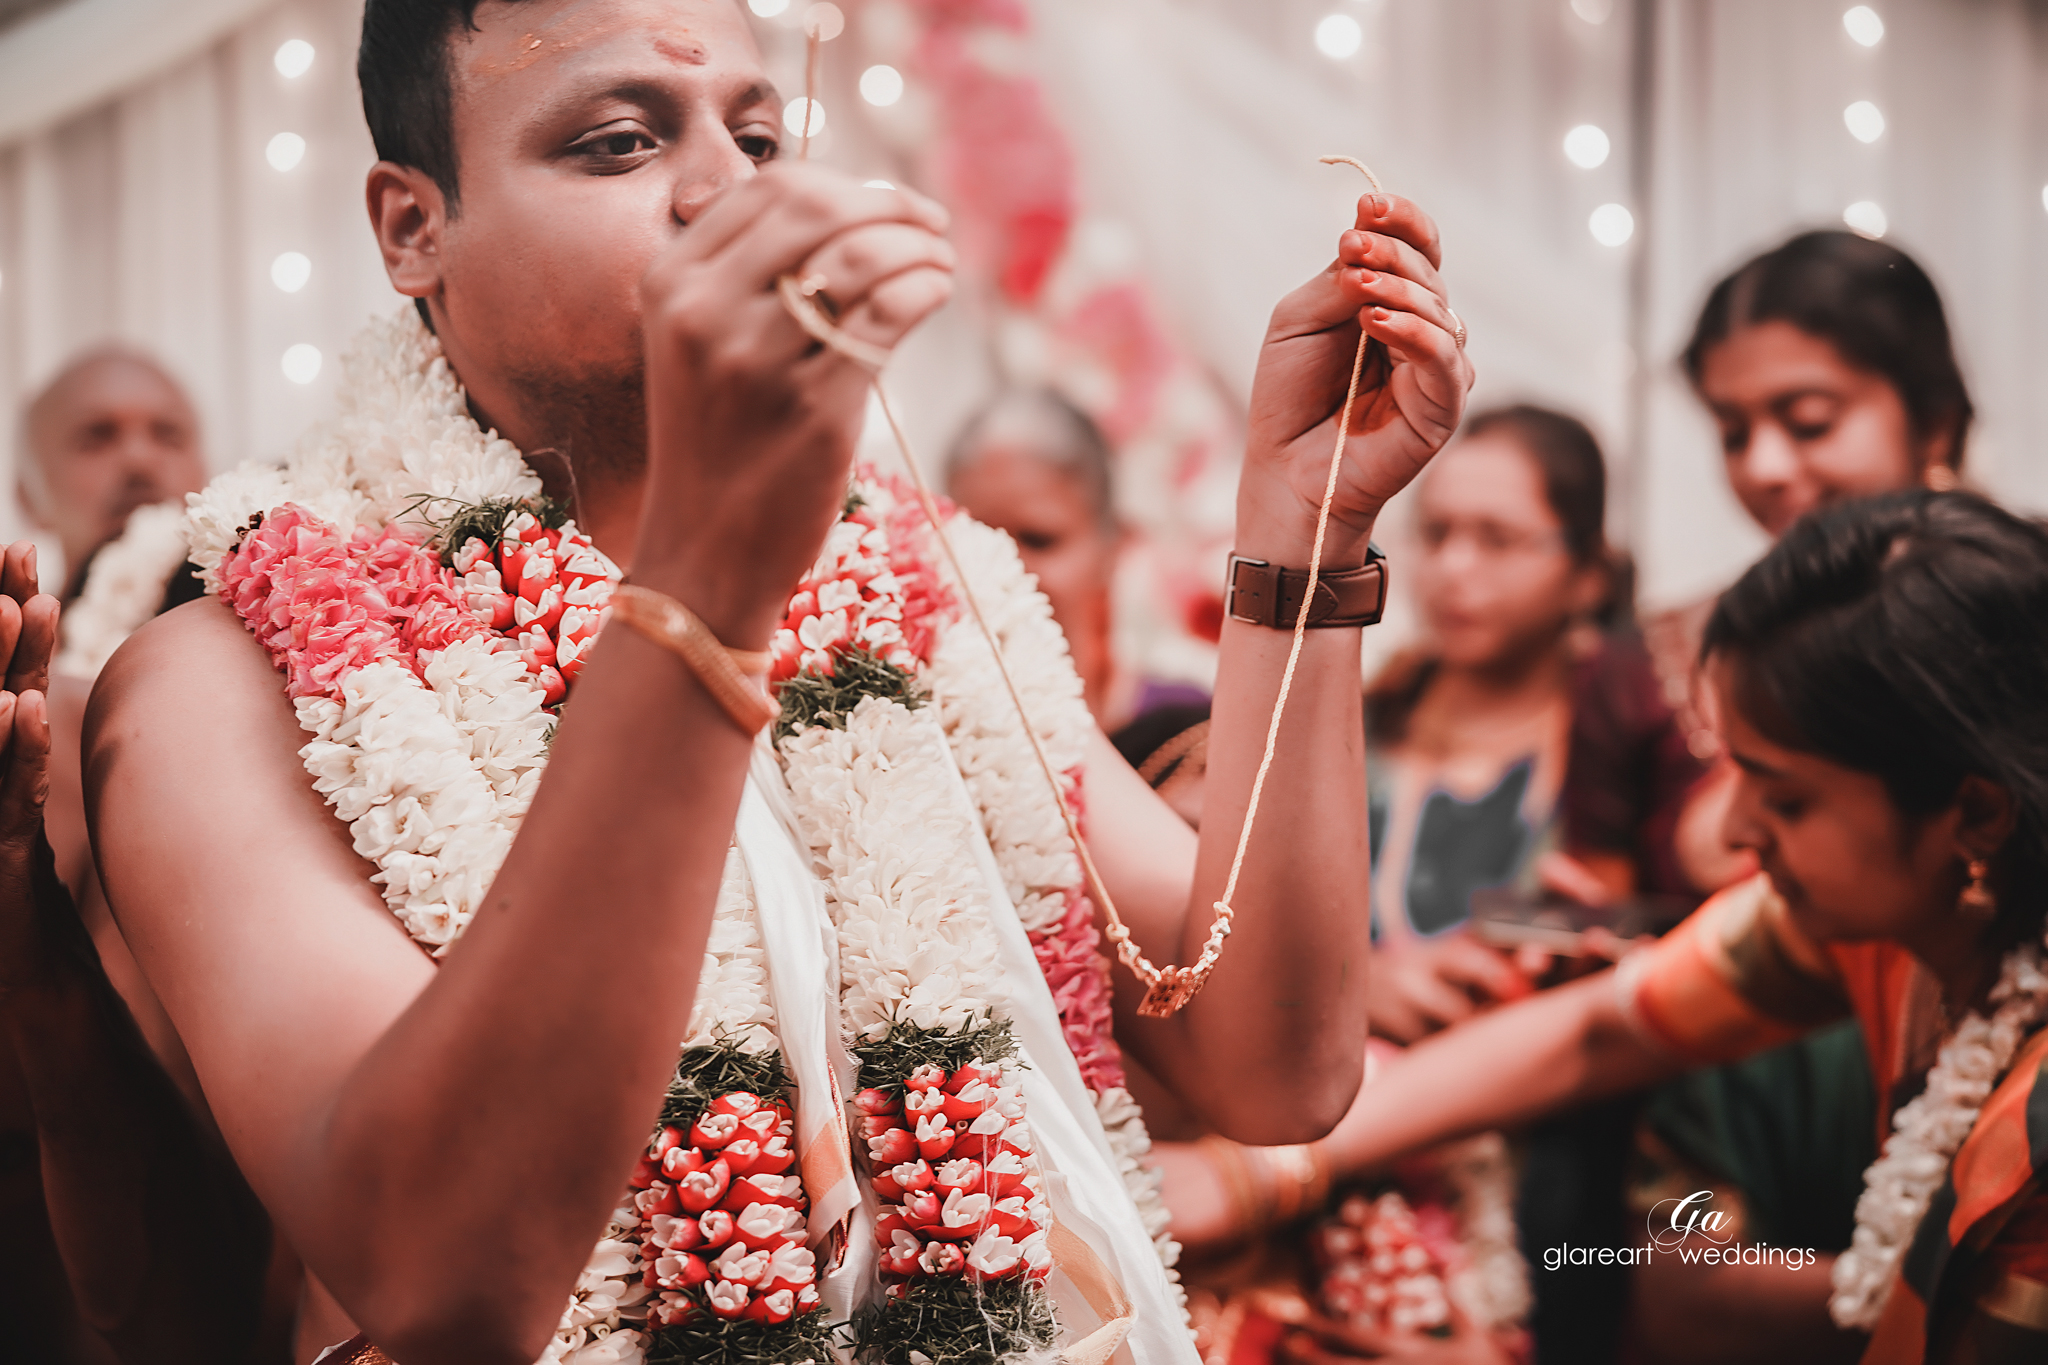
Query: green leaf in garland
(811, 699)
(805, 1339)
(953, 1321)
(885, 1062)
(486, 520)
(705, 1073)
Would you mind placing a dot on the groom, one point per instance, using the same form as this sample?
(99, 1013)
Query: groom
(581, 195)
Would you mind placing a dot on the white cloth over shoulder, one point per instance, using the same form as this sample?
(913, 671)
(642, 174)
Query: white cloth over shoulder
(1090, 1197)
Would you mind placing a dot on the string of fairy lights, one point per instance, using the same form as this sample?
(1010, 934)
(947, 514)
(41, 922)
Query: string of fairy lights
(1338, 36)
(291, 270)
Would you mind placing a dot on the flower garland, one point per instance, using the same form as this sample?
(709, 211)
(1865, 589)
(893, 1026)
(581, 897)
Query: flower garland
(1444, 1234)
(1901, 1183)
(962, 1228)
(124, 587)
(430, 611)
(1029, 840)
(1385, 1267)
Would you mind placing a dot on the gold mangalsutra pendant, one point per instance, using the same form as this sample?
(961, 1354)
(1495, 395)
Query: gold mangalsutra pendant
(1174, 988)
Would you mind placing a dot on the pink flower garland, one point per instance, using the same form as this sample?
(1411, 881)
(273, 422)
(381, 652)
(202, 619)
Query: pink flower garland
(324, 607)
(1078, 972)
(875, 587)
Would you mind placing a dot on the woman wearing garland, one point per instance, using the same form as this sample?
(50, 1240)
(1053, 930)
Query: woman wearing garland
(1879, 677)
(458, 886)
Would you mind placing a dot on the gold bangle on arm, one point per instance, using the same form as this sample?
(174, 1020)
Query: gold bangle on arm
(1269, 1185)
(722, 671)
(1300, 1179)
(1249, 1210)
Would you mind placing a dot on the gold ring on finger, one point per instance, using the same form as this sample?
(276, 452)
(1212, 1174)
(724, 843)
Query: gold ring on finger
(1457, 329)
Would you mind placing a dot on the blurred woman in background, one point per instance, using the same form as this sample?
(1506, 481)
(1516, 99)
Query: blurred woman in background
(1828, 368)
(1527, 741)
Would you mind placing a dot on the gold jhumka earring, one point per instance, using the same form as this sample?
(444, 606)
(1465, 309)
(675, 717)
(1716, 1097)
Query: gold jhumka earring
(1977, 900)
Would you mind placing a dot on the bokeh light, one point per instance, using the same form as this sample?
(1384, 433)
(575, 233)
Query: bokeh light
(793, 116)
(1586, 146)
(824, 21)
(767, 9)
(1865, 121)
(1866, 217)
(285, 151)
(301, 363)
(1338, 36)
(290, 271)
(1593, 11)
(1864, 25)
(1611, 225)
(881, 86)
(294, 58)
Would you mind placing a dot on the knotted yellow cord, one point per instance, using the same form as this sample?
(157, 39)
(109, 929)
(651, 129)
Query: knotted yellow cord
(1167, 988)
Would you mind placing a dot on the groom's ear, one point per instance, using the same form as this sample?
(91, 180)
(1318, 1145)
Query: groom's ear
(408, 213)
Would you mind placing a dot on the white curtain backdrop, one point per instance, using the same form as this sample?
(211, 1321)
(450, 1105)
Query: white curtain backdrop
(148, 211)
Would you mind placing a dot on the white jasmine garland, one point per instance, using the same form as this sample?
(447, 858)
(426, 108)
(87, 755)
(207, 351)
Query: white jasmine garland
(1493, 1285)
(123, 588)
(1025, 831)
(432, 772)
(900, 879)
(1926, 1133)
(1123, 1123)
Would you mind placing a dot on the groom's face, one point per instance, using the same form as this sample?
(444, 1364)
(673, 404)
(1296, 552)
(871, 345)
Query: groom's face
(588, 133)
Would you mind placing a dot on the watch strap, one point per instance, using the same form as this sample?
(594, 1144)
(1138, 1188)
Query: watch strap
(1264, 594)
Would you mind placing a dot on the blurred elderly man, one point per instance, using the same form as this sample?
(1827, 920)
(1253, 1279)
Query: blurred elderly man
(87, 1056)
(111, 433)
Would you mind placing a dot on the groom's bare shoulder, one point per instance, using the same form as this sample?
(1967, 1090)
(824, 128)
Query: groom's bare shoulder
(235, 886)
(189, 652)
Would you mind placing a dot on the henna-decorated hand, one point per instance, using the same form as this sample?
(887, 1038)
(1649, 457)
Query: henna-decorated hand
(28, 638)
(1411, 393)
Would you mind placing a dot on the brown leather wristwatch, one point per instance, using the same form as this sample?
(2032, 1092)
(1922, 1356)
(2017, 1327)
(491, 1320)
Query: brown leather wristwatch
(1264, 594)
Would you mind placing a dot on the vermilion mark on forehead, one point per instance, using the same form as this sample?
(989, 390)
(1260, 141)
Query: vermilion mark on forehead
(689, 53)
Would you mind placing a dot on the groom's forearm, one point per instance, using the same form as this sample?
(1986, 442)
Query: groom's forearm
(1281, 1024)
(538, 1056)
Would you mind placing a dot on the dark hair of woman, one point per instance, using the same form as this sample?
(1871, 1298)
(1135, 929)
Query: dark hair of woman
(1567, 458)
(1906, 636)
(1870, 301)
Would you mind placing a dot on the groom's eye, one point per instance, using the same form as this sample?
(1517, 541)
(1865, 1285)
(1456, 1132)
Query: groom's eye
(617, 148)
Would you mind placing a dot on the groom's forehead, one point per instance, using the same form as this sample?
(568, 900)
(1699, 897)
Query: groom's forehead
(527, 42)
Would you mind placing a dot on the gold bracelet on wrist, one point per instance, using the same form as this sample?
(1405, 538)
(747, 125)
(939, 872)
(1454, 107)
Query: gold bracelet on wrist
(1227, 1159)
(1301, 1179)
(722, 671)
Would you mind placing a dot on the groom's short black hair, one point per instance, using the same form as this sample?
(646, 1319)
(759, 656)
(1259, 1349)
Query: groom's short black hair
(404, 69)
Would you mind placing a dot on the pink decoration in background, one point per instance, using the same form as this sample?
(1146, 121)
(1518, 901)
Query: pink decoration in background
(1005, 168)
